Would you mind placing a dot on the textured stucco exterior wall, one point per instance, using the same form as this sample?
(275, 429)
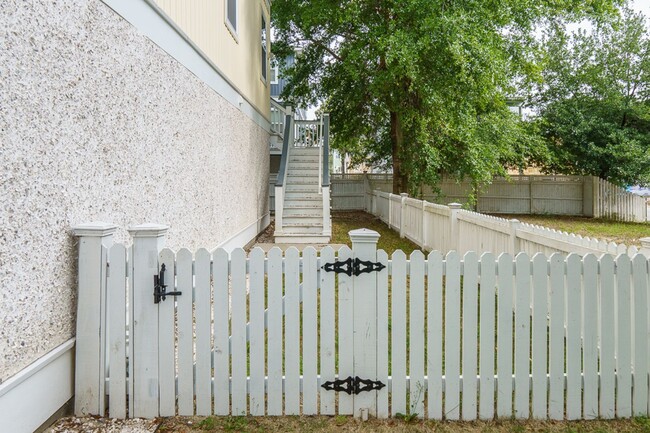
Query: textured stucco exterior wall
(98, 123)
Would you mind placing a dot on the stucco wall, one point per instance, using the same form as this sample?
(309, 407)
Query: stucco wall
(98, 123)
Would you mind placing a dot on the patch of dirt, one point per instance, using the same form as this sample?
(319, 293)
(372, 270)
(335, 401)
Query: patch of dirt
(91, 424)
(266, 237)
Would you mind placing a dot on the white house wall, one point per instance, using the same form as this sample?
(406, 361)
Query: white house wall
(99, 123)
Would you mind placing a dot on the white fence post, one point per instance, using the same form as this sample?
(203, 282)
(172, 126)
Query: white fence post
(364, 248)
(94, 241)
(148, 241)
(453, 220)
(514, 241)
(402, 215)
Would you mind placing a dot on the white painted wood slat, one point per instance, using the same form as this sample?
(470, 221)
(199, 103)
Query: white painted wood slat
(292, 332)
(203, 350)
(452, 336)
(623, 338)
(345, 340)
(540, 339)
(116, 297)
(309, 332)
(470, 335)
(607, 331)
(239, 353)
(398, 334)
(640, 284)
(382, 336)
(327, 333)
(256, 330)
(167, 339)
(522, 336)
(504, 335)
(590, 337)
(556, 338)
(221, 307)
(417, 386)
(274, 353)
(185, 333)
(573, 344)
(487, 336)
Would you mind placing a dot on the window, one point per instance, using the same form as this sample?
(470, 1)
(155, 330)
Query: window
(231, 16)
(264, 60)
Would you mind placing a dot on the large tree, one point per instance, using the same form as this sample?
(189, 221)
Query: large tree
(594, 101)
(419, 84)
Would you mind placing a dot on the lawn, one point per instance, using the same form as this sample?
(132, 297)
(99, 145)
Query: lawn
(348, 424)
(344, 222)
(615, 231)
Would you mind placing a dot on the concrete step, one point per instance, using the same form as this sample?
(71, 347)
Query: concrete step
(297, 228)
(303, 204)
(307, 174)
(303, 165)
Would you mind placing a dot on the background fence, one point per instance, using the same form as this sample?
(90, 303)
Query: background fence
(445, 228)
(537, 194)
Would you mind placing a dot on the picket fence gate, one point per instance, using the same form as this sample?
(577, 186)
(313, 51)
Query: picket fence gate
(559, 337)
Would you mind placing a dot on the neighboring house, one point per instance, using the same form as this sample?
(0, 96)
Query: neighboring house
(128, 112)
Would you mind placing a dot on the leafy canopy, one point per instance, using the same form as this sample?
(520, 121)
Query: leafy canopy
(594, 104)
(420, 85)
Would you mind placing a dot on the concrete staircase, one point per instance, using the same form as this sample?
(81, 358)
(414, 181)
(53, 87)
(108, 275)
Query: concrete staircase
(302, 209)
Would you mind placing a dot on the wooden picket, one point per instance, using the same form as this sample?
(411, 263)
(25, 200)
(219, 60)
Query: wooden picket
(559, 337)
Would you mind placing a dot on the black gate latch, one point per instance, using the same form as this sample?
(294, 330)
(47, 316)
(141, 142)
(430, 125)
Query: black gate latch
(350, 267)
(353, 385)
(160, 288)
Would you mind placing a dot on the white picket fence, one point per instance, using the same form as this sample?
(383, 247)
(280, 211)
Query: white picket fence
(446, 228)
(451, 337)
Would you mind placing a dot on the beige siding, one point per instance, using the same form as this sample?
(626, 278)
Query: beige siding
(238, 57)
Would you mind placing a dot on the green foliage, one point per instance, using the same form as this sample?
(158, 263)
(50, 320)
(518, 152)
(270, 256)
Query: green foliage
(420, 85)
(595, 101)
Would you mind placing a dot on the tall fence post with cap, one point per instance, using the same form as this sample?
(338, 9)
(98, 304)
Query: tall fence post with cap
(148, 241)
(364, 289)
(90, 347)
(453, 219)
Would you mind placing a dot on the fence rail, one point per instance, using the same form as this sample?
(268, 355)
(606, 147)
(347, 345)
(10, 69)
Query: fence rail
(446, 228)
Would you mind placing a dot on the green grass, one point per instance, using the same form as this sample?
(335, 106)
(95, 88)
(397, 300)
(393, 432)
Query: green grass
(603, 229)
(408, 424)
(344, 222)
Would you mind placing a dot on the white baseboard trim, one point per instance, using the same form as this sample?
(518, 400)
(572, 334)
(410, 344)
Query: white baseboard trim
(246, 235)
(35, 393)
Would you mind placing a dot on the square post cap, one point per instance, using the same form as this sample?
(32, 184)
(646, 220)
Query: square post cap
(94, 229)
(148, 230)
(364, 236)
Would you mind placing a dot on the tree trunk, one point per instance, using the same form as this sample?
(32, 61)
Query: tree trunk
(400, 178)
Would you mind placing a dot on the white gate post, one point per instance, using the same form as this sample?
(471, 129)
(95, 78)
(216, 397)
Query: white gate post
(364, 289)
(514, 240)
(90, 347)
(148, 240)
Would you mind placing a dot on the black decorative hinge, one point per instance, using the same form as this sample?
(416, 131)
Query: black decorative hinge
(352, 385)
(353, 267)
(160, 288)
